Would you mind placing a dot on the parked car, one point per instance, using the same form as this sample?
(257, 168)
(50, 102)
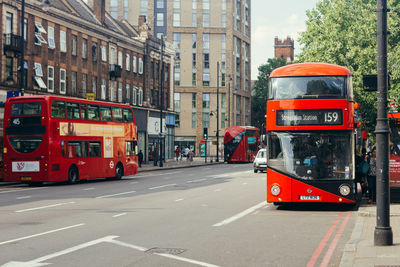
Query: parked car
(260, 162)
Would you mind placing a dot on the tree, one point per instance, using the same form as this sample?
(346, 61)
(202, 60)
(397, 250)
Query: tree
(343, 32)
(259, 98)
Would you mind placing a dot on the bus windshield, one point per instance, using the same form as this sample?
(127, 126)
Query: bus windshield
(323, 87)
(311, 156)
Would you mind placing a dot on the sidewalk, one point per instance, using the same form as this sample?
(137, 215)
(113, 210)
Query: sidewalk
(360, 250)
(173, 164)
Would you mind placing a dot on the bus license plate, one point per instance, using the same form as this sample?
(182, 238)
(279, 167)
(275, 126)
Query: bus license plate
(309, 197)
(26, 178)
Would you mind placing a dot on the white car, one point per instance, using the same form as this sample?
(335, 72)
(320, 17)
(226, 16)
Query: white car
(260, 162)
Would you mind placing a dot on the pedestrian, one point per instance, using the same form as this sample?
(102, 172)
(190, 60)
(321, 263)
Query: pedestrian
(371, 177)
(187, 153)
(155, 157)
(177, 153)
(191, 154)
(140, 158)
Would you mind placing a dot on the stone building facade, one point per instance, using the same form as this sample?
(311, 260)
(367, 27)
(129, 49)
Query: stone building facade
(205, 33)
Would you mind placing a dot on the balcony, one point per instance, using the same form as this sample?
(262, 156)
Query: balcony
(115, 71)
(12, 42)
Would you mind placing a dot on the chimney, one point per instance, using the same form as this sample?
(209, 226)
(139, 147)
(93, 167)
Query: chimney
(99, 10)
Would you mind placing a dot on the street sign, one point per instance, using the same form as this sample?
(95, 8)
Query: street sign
(90, 96)
(12, 94)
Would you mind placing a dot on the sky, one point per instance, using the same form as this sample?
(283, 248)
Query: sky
(270, 19)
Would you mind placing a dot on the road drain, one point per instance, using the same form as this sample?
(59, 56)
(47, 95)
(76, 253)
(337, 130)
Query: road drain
(172, 251)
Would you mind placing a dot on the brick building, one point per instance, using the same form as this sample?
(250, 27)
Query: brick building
(77, 50)
(284, 49)
(203, 32)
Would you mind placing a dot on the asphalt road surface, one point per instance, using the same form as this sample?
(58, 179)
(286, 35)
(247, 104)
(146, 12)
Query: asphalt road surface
(204, 216)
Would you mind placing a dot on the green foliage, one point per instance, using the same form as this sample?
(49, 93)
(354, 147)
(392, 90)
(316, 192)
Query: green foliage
(259, 99)
(343, 32)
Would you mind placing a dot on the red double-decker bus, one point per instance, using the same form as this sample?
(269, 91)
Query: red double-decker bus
(310, 135)
(54, 139)
(240, 143)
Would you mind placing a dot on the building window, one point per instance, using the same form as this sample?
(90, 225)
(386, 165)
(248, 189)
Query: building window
(104, 53)
(143, 7)
(111, 91)
(126, 8)
(134, 95)
(50, 79)
(9, 68)
(103, 86)
(94, 52)
(128, 93)
(134, 64)
(114, 8)
(63, 41)
(38, 69)
(84, 48)
(206, 18)
(119, 92)
(50, 37)
(120, 58)
(177, 108)
(140, 96)
(39, 40)
(73, 82)
(160, 19)
(238, 121)
(84, 84)
(140, 65)
(177, 20)
(25, 29)
(9, 22)
(94, 86)
(128, 62)
(74, 42)
(63, 81)
(160, 3)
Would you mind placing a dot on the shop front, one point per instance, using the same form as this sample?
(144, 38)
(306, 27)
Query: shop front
(141, 124)
(155, 138)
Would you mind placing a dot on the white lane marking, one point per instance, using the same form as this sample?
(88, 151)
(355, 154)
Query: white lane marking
(90, 188)
(25, 197)
(44, 233)
(164, 173)
(39, 261)
(134, 182)
(186, 260)
(161, 186)
(45, 207)
(217, 190)
(179, 199)
(241, 214)
(195, 181)
(118, 215)
(163, 254)
(118, 194)
(244, 183)
(20, 190)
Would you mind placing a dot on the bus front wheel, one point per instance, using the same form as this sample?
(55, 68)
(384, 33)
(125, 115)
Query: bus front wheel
(119, 171)
(73, 175)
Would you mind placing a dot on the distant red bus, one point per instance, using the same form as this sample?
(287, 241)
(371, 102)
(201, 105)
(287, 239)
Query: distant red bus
(54, 139)
(240, 143)
(310, 135)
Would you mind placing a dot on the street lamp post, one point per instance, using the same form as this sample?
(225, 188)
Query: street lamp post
(21, 66)
(217, 160)
(161, 99)
(383, 235)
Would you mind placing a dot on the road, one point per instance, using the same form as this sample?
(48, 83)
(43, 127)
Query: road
(205, 216)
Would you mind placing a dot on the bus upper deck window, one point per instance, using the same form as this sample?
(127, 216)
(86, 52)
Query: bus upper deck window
(58, 109)
(128, 115)
(26, 108)
(117, 114)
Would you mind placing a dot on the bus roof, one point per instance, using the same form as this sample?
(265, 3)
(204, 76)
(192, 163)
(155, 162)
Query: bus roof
(310, 69)
(62, 98)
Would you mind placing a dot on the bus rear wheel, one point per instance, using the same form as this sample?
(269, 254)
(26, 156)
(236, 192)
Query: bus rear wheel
(73, 175)
(119, 171)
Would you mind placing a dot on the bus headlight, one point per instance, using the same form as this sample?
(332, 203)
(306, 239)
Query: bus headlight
(344, 189)
(275, 190)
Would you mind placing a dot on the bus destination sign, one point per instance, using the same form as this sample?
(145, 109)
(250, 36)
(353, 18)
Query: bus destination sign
(305, 117)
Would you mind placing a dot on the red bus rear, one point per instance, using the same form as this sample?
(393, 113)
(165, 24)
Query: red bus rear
(240, 143)
(310, 135)
(54, 139)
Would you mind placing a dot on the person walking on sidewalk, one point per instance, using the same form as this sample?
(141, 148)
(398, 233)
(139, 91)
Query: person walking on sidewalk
(371, 177)
(177, 153)
(140, 158)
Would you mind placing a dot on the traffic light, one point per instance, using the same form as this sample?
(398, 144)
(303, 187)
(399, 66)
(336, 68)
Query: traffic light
(205, 133)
